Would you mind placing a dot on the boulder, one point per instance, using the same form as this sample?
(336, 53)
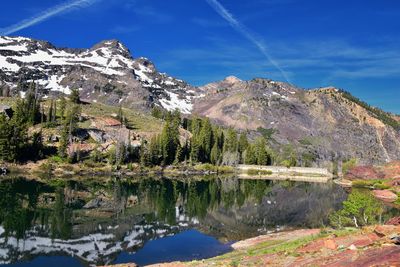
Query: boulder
(330, 244)
(385, 195)
(393, 221)
(386, 230)
(93, 204)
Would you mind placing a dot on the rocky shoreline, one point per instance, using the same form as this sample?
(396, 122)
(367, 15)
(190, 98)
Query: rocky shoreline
(369, 246)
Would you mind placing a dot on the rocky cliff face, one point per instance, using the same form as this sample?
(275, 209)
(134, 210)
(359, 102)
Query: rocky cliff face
(325, 122)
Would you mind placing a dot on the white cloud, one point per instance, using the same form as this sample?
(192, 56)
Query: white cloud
(46, 14)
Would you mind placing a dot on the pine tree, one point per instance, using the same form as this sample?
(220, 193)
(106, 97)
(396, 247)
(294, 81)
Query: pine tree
(63, 105)
(250, 155)
(261, 151)
(205, 141)
(53, 118)
(169, 140)
(179, 154)
(4, 138)
(50, 114)
(74, 97)
(215, 154)
(155, 150)
(231, 141)
(157, 112)
(243, 142)
(120, 115)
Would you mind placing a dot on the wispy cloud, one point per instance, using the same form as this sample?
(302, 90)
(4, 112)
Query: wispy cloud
(238, 26)
(46, 14)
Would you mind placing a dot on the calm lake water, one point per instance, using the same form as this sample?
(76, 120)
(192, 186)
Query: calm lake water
(149, 220)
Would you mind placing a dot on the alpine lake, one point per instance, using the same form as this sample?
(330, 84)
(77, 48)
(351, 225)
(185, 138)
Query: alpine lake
(147, 220)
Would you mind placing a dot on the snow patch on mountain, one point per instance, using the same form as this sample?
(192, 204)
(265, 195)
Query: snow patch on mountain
(174, 102)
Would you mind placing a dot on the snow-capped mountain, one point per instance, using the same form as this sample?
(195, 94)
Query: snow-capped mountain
(106, 72)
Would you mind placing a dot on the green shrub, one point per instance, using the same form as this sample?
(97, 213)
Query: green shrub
(348, 165)
(363, 183)
(381, 186)
(258, 172)
(56, 159)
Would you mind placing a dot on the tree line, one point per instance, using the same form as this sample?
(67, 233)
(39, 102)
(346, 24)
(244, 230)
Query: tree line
(207, 143)
(182, 140)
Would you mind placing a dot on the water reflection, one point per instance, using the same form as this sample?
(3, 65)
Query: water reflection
(96, 221)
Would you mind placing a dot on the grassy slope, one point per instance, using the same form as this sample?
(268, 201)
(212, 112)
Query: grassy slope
(139, 121)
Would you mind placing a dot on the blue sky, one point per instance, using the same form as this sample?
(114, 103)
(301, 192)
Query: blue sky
(352, 44)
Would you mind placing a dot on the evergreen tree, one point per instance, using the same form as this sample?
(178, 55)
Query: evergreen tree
(50, 114)
(120, 115)
(215, 154)
(231, 141)
(205, 140)
(250, 155)
(155, 150)
(261, 151)
(169, 139)
(4, 138)
(145, 157)
(63, 105)
(74, 97)
(157, 112)
(242, 145)
(54, 115)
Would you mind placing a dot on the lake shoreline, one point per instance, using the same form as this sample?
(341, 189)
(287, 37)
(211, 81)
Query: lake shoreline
(65, 170)
(367, 246)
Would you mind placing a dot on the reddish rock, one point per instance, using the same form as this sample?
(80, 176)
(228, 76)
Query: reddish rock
(366, 240)
(391, 170)
(393, 221)
(364, 173)
(330, 244)
(385, 195)
(384, 256)
(386, 230)
(312, 247)
(395, 182)
(291, 235)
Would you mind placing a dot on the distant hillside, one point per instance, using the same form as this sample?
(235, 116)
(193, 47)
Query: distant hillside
(326, 122)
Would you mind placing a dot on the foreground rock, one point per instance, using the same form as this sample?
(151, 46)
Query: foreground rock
(385, 195)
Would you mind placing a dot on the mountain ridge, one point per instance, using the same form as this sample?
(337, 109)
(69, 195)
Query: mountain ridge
(324, 123)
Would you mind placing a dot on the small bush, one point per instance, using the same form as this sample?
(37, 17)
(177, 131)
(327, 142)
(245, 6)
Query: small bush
(381, 186)
(363, 183)
(258, 172)
(56, 159)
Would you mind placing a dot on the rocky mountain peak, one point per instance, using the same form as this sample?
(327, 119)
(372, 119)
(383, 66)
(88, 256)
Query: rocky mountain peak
(113, 47)
(232, 79)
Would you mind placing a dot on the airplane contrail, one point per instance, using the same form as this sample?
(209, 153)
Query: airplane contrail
(225, 14)
(46, 14)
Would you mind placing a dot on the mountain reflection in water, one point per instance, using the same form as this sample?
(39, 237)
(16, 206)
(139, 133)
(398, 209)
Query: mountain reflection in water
(95, 222)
